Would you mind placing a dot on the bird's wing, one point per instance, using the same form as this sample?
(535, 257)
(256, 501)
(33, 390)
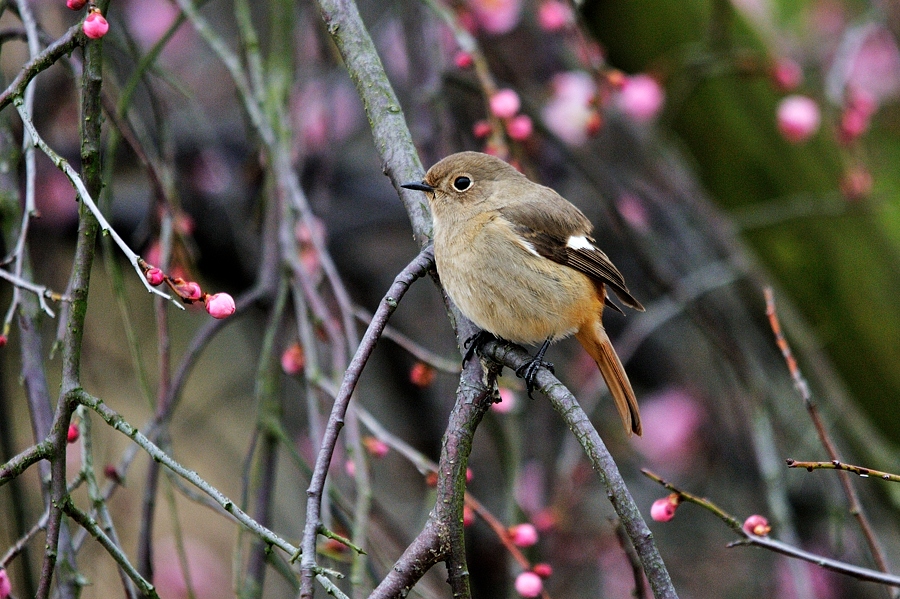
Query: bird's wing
(559, 231)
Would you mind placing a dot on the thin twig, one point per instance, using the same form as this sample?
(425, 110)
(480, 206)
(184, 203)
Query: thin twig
(854, 505)
(777, 546)
(862, 471)
(413, 271)
(63, 165)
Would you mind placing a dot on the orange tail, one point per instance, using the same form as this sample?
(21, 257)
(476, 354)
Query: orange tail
(593, 338)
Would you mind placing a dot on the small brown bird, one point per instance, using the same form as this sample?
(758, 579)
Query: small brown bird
(519, 262)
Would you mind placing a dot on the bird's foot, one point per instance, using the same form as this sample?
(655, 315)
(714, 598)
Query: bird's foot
(474, 343)
(529, 370)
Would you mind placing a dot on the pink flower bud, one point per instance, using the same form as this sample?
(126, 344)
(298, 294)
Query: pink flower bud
(757, 525)
(350, 467)
(507, 401)
(76, 4)
(5, 585)
(375, 446)
(220, 305)
(519, 127)
(641, 98)
(543, 570)
(663, 509)
(468, 516)
(554, 15)
(293, 360)
(463, 60)
(505, 103)
(787, 75)
(3, 340)
(798, 118)
(155, 276)
(95, 26)
(529, 584)
(469, 475)
(523, 535)
(72, 434)
(481, 129)
(422, 375)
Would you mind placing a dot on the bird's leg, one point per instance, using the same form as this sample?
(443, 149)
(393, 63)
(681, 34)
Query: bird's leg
(474, 343)
(529, 370)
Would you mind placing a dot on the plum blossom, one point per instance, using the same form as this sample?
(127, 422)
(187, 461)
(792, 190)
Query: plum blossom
(505, 103)
(798, 118)
(529, 584)
(220, 305)
(568, 113)
(641, 98)
(496, 16)
(95, 25)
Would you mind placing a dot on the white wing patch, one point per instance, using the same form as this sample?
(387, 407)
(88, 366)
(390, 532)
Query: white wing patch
(580, 242)
(528, 246)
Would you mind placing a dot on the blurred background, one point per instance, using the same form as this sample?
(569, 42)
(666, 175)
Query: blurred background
(718, 146)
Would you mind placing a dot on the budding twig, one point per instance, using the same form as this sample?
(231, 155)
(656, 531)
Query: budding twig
(63, 165)
(837, 465)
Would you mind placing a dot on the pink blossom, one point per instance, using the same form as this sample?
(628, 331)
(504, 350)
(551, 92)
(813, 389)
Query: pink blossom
(519, 127)
(496, 16)
(220, 305)
(505, 103)
(422, 375)
(554, 15)
(529, 584)
(5, 585)
(293, 360)
(543, 570)
(867, 61)
(155, 276)
(463, 60)
(757, 525)
(672, 419)
(798, 118)
(468, 516)
(95, 25)
(481, 129)
(641, 98)
(663, 509)
(350, 468)
(3, 340)
(507, 401)
(72, 434)
(375, 446)
(633, 210)
(568, 114)
(856, 116)
(787, 74)
(189, 291)
(523, 535)
(76, 4)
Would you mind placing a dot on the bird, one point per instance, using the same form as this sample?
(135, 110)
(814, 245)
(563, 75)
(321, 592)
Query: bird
(518, 260)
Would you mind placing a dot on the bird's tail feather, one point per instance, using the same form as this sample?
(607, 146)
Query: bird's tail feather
(595, 340)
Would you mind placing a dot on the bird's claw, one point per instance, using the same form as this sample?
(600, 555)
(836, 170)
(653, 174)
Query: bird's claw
(529, 371)
(474, 343)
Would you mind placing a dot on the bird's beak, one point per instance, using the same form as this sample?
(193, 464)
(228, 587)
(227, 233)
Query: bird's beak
(418, 186)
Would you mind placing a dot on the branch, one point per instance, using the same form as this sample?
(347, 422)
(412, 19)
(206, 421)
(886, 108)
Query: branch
(115, 420)
(777, 546)
(417, 268)
(855, 507)
(862, 471)
(63, 165)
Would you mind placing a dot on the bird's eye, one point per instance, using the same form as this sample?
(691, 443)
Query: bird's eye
(462, 183)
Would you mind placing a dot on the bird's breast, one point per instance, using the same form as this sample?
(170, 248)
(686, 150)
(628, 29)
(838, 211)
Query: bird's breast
(506, 288)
